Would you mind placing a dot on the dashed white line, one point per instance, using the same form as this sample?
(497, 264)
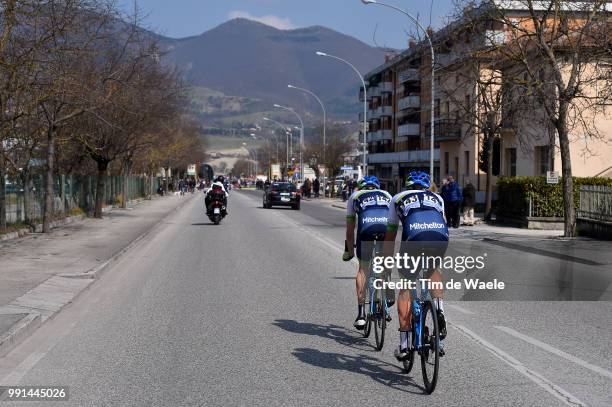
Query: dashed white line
(566, 397)
(460, 309)
(556, 351)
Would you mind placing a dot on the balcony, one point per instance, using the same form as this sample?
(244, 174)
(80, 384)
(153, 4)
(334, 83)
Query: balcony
(373, 91)
(384, 111)
(404, 157)
(443, 60)
(379, 135)
(409, 102)
(445, 130)
(409, 129)
(385, 86)
(408, 75)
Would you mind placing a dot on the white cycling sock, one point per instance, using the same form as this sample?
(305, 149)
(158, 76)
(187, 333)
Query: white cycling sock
(404, 339)
(439, 304)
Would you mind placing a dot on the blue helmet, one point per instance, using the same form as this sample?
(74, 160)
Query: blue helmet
(369, 181)
(418, 178)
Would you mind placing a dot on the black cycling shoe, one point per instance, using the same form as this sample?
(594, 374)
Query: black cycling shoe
(441, 352)
(360, 323)
(441, 324)
(390, 302)
(401, 354)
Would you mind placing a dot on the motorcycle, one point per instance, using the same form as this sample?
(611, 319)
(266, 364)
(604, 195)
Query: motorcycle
(217, 213)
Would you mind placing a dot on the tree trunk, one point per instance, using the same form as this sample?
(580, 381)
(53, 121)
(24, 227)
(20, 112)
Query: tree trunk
(568, 181)
(2, 193)
(48, 205)
(100, 182)
(27, 195)
(489, 181)
(126, 178)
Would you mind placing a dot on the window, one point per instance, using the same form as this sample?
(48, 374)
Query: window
(456, 167)
(446, 163)
(511, 162)
(467, 162)
(542, 159)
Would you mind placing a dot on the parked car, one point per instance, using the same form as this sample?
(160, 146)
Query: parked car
(281, 194)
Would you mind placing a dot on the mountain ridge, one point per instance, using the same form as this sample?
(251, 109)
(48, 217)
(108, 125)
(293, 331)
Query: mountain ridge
(245, 58)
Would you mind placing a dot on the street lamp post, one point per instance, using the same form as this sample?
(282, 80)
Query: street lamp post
(324, 120)
(365, 106)
(433, 67)
(286, 142)
(301, 135)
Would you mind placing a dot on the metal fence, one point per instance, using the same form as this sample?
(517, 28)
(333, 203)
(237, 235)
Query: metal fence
(72, 194)
(595, 203)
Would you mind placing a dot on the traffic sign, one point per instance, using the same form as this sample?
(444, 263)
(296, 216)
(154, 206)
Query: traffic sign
(552, 177)
(346, 167)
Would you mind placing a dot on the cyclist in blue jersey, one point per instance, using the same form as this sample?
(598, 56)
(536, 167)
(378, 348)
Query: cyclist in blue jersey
(424, 233)
(369, 206)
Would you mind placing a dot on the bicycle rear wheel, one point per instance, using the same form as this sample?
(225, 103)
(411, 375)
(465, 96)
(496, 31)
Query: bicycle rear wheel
(380, 319)
(430, 346)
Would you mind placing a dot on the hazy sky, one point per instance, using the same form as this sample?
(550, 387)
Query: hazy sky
(181, 18)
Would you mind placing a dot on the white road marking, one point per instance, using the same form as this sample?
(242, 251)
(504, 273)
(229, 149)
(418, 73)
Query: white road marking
(556, 351)
(22, 369)
(561, 394)
(460, 309)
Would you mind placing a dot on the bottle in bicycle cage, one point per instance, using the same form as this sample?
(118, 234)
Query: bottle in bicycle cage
(371, 282)
(416, 308)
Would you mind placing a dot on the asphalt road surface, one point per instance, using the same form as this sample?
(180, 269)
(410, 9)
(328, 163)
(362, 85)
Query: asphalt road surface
(259, 311)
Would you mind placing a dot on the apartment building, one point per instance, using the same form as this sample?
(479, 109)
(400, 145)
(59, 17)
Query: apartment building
(399, 96)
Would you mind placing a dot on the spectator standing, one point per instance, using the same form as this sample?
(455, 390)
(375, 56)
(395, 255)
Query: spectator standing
(316, 186)
(469, 201)
(451, 193)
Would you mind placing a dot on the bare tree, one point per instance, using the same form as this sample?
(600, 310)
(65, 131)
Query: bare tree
(558, 51)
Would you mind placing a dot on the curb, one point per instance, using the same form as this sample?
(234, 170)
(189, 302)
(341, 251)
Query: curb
(19, 331)
(33, 320)
(339, 206)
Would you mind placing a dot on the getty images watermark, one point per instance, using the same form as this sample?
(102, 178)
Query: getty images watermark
(407, 264)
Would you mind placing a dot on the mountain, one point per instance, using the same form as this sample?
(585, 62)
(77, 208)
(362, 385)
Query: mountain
(248, 59)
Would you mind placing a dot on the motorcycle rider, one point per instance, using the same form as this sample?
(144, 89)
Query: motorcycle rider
(216, 192)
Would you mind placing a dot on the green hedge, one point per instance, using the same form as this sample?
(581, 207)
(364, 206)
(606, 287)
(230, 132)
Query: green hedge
(547, 199)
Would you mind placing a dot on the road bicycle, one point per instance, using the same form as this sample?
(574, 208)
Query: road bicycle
(376, 302)
(425, 337)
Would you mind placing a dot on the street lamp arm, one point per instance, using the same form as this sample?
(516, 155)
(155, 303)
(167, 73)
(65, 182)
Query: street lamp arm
(311, 94)
(433, 71)
(365, 104)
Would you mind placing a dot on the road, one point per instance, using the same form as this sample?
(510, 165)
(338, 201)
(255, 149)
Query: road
(259, 311)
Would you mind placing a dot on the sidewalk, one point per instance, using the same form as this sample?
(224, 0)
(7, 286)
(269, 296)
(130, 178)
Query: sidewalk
(41, 273)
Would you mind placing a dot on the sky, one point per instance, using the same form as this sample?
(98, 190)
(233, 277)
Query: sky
(373, 24)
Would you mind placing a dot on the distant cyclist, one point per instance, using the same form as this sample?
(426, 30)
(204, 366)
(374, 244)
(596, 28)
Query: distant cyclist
(424, 232)
(369, 206)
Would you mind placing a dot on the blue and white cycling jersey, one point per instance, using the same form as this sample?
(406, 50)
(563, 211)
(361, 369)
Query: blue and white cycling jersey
(421, 214)
(371, 207)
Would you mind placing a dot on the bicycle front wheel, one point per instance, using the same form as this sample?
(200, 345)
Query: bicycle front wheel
(368, 326)
(430, 346)
(380, 319)
(410, 361)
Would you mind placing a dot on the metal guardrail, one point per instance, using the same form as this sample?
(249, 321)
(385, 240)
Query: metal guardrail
(595, 203)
